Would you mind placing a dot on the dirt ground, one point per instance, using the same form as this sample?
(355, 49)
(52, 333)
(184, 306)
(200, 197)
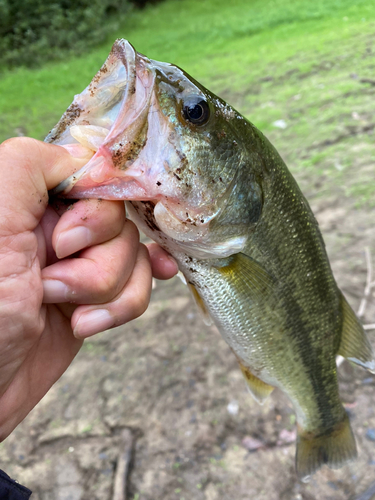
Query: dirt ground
(160, 404)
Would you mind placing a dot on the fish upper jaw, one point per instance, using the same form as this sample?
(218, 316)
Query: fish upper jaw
(110, 123)
(109, 120)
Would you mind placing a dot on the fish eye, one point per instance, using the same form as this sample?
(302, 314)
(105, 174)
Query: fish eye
(196, 110)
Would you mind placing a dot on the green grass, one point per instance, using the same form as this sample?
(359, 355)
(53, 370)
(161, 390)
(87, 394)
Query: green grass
(294, 60)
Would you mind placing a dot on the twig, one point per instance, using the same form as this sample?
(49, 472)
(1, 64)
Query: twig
(369, 283)
(123, 463)
(367, 80)
(368, 494)
(363, 304)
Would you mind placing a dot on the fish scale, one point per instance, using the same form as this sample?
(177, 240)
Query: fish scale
(308, 258)
(244, 328)
(204, 183)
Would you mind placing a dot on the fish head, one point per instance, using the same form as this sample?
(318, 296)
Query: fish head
(156, 135)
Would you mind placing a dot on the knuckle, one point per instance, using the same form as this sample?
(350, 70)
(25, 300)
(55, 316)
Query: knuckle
(33, 328)
(9, 145)
(31, 319)
(21, 152)
(24, 324)
(106, 283)
(13, 145)
(21, 306)
(131, 228)
(143, 252)
(138, 306)
(119, 209)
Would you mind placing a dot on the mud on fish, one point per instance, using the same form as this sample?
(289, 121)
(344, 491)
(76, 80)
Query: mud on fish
(205, 184)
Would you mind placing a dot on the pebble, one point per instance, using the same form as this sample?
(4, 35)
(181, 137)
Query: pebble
(280, 124)
(368, 380)
(252, 444)
(233, 407)
(286, 437)
(370, 434)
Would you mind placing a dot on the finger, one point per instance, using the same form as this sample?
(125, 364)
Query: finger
(44, 231)
(78, 151)
(88, 223)
(163, 265)
(29, 168)
(130, 303)
(97, 274)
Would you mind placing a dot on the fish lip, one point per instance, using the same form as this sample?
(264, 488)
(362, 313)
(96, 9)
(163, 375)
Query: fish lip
(139, 80)
(122, 52)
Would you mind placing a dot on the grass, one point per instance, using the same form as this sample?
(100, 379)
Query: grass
(292, 60)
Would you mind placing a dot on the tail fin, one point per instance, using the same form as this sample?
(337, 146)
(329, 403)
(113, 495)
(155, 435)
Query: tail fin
(334, 448)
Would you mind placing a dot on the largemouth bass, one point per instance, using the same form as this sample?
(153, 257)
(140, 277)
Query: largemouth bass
(205, 184)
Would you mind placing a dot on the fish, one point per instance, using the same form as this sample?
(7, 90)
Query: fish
(200, 180)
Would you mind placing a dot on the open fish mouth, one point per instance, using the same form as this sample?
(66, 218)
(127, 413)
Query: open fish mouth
(131, 124)
(109, 120)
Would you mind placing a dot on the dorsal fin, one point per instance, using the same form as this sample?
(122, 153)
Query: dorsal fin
(355, 345)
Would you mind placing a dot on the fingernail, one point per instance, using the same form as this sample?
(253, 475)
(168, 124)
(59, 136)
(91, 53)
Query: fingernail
(55, 292)
(93, 322)
(72, 240)
(78, 151)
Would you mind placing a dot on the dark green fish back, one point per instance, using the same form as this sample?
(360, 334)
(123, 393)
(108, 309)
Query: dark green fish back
(288, 244)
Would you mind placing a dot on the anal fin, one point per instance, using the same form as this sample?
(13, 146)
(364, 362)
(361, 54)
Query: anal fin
(258, 389)
(335, 448)
(355, 345)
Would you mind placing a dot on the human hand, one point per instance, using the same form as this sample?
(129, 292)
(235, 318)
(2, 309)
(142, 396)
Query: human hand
(61, 278)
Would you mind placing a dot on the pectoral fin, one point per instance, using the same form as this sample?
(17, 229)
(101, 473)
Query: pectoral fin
(355, 345)
(248, 277)
(258, 389)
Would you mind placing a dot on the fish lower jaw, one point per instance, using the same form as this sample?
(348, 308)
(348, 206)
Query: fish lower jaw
(173, 226)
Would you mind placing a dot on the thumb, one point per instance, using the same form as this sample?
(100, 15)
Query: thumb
(29, 169)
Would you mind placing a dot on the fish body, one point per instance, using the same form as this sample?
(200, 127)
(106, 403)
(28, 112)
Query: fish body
(205, 184)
